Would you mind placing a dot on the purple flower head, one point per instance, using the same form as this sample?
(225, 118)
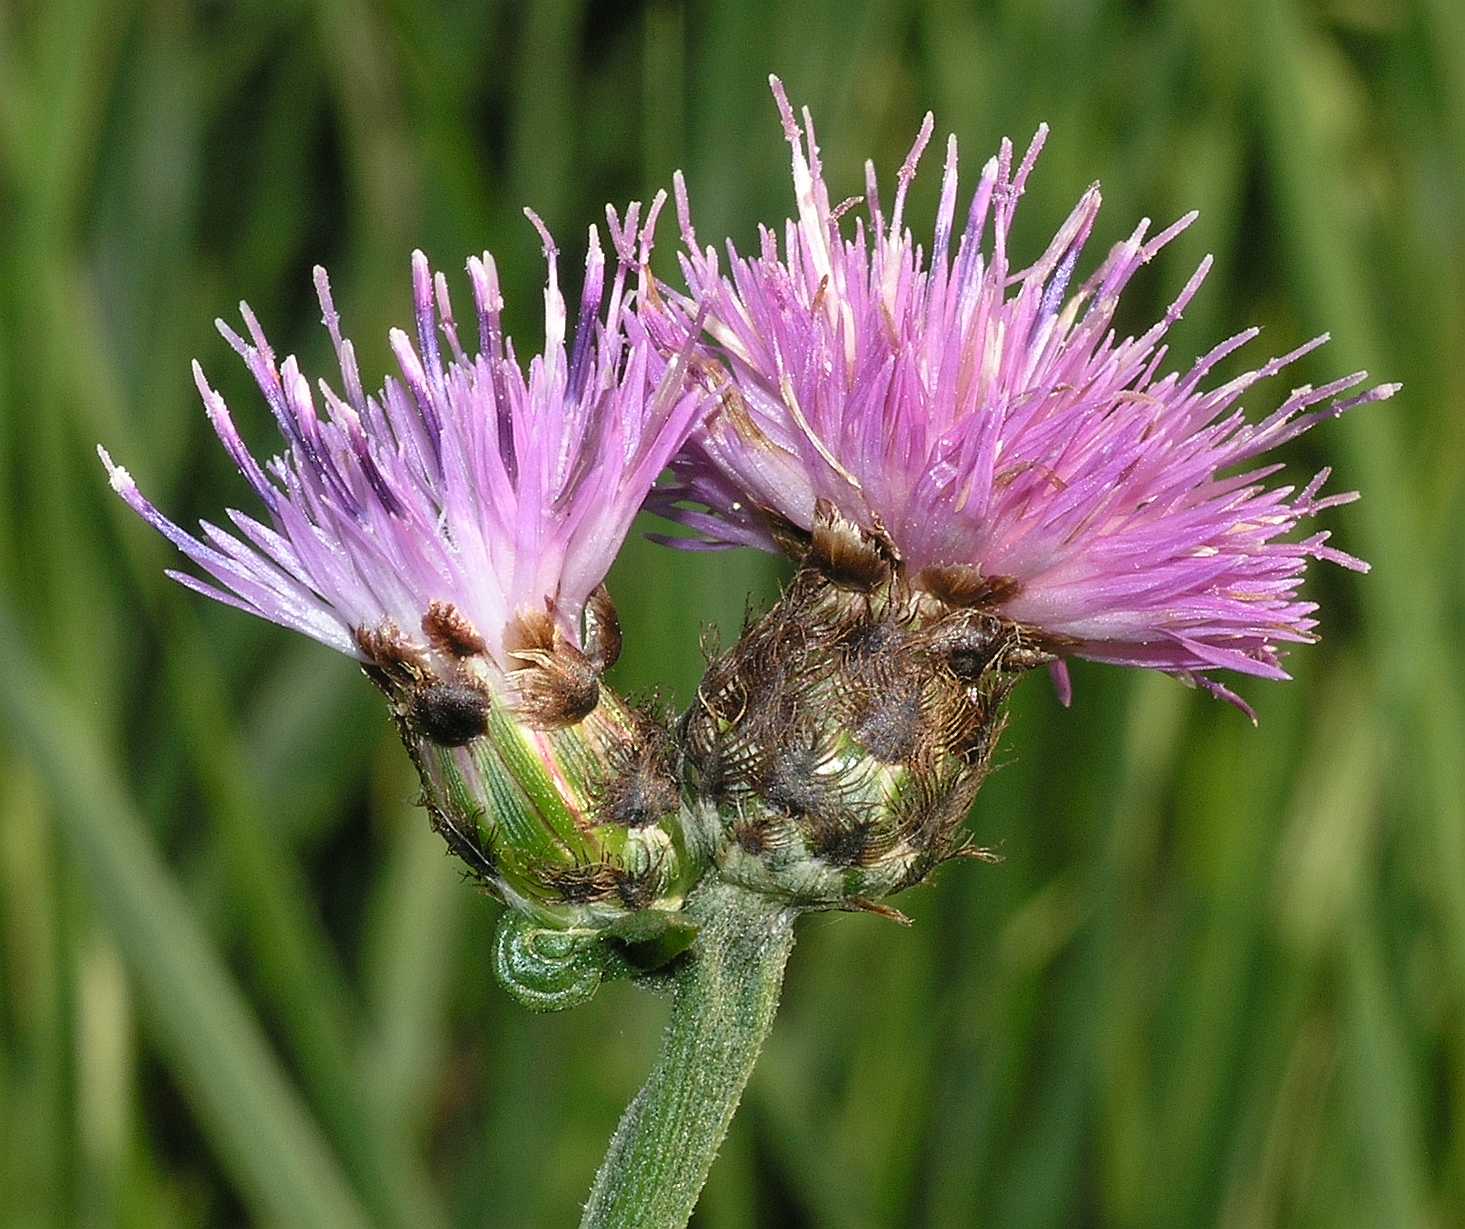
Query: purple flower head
(988, 424)
(469, 498)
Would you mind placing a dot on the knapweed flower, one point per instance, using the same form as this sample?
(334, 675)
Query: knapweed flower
(981, 476)
(989, 425)
(452, 533)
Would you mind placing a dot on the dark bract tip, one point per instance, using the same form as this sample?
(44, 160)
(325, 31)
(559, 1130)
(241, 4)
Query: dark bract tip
(848, 556)
(959, 584)
(448, 629)
(449, 714)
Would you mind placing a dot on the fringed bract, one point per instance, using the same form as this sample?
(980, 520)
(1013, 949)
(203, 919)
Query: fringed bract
(836, 749)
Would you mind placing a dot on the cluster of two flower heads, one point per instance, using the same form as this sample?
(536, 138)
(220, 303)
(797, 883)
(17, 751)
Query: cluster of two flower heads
(975, 429)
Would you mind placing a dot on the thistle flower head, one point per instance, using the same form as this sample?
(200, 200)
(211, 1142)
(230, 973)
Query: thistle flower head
(987, 424)
(464, 505)
(451, 532)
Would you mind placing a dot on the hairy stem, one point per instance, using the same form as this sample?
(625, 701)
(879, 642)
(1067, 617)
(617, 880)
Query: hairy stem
(725, 999)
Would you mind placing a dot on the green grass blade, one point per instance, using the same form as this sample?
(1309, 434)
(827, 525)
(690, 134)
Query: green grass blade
(262, 1133)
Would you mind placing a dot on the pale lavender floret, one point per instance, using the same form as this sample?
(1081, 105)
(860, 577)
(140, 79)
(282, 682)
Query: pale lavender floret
(466, 480)
(986, 416)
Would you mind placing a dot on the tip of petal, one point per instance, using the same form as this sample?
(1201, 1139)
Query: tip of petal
(550, 251)
(421, 281)
(621, 233)
(120, 479)
(236, 343)
(648, 231)
(401, 346)
(785, 111)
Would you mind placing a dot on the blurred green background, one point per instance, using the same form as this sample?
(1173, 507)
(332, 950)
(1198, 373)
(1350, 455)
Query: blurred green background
(1220, 977)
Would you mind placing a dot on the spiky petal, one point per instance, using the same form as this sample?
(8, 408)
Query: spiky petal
(470, 484)
(988, 423)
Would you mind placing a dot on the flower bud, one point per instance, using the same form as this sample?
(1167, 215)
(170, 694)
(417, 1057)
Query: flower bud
(836, 750)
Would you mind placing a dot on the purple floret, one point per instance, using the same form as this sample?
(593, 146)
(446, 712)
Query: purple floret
(469, 481)
(977, 415)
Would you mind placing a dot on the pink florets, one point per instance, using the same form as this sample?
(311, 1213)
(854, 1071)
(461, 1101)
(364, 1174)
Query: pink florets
(979, 415)
(468, 481)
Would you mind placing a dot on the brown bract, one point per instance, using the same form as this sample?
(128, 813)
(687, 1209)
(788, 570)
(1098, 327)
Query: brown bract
(639, 786)
(602, 630)
(555, 684)
(449, 714)
(851, 557)
(447, 706)
(450, 631)
(960, 584)
(845, 737)
(392, 661)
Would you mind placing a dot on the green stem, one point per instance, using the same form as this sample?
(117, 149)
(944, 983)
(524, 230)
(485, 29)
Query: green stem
(725, 999)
